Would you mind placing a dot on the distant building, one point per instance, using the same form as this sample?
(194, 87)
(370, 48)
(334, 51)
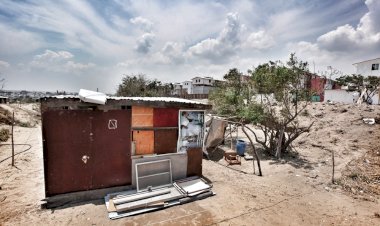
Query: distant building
(197, 85)
(202, 85)
(3, 100)
(187, 86)
(368, 67)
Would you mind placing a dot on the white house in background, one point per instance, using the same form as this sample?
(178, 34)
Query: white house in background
(202, 85)
(197, 85)
(368, 67)
(187, 86)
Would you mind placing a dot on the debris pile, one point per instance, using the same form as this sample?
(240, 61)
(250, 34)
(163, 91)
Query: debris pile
(362, 176)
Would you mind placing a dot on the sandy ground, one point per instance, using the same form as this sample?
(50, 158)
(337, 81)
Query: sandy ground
(294, 191)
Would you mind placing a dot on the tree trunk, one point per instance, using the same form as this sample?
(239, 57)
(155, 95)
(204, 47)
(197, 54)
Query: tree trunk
(254, 150)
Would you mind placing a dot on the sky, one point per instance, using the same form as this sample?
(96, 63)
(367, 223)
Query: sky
(70, 44)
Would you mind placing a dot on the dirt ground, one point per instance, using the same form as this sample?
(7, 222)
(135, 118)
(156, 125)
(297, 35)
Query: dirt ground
(294, 191)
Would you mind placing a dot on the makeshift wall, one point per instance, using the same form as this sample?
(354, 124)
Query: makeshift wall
(343, 96)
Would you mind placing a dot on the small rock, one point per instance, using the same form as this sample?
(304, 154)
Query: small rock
(366, 161)
(88, 219)
(361, 191)
(327, 188)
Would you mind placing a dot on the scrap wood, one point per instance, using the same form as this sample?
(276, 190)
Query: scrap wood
(145, 203)
(111, 206)
(135, 197)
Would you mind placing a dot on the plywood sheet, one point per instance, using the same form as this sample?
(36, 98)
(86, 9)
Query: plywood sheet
(165, 141)
(165, 117)
(194, 162)
(144, 142)
(142, 116)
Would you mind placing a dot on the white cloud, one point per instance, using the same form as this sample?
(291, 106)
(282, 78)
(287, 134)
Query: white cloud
(58, 62)
(219, 49)
(4, 64)
(14, 42)
(365, 37)
(145, 42)
(260, 40)
(76, 23)
(344, 45)
(143, 23)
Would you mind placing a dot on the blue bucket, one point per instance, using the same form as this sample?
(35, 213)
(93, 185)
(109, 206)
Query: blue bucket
(240, 147)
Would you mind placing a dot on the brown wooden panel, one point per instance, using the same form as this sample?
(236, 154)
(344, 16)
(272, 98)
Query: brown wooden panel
(66, 137)
(165, 117)
(165, 141)
(111, 148)
(144, 142)
(194, 162)
(142, 116)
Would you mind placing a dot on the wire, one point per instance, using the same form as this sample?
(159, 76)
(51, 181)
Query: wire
(30, 146)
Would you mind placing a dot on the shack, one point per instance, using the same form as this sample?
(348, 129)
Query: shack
(90, 146)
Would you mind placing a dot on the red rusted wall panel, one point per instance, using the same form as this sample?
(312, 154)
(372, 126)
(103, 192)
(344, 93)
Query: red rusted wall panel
(71, 134)
(111, 148)
(66, 140)
(165, 117)
(194, 162)
(165, 141)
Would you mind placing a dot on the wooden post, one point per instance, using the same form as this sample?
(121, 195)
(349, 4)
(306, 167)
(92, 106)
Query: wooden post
(333, 167)
(13, 146)
(231, 135)
(237, 136)
(254, 151)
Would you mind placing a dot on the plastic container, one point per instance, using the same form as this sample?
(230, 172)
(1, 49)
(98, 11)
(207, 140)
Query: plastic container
(240, 147)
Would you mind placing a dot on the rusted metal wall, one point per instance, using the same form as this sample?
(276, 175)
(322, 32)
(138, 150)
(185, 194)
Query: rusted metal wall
(165, 141)
(86, 149)
(194, 161)
(165, 117)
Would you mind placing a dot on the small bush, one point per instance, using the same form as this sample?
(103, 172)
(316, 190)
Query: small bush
(25, 124)
(4, 134)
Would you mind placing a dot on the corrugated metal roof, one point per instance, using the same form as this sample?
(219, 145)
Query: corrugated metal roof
(151, 99)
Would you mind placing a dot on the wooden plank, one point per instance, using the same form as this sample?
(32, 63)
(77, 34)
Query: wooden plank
(139, 196)
(144, 141)
(142, 116)
(111, 206)
(144, 203)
